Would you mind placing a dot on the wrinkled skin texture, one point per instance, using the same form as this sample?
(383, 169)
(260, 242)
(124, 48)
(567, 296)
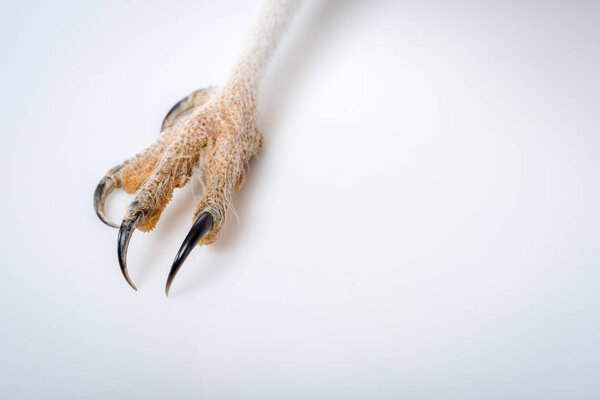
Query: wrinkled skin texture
(215, 131)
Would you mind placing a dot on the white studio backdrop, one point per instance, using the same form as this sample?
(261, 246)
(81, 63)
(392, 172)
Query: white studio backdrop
(422, 222)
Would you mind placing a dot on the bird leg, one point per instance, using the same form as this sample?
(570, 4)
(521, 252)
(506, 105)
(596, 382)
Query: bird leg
(213, 129)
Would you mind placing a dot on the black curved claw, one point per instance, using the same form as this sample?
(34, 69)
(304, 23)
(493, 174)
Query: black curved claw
(174, 112)
(125, 232)
(104, 188)
(202, 225)
(183, 107)
(99, 196)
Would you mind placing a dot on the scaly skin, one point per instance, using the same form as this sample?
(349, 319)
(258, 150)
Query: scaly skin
(219, 136)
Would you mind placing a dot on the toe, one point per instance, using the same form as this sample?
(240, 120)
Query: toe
(130, 175)
(172, 171)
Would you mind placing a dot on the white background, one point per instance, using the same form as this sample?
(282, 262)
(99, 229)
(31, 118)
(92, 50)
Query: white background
(423, 221)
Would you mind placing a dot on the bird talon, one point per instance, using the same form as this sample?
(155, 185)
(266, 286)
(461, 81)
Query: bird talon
(125, 231)
(212, 129)
(200, 228)
(219, 137)
(106, 186)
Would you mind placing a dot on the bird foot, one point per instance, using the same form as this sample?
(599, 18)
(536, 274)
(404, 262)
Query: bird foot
(211, 129)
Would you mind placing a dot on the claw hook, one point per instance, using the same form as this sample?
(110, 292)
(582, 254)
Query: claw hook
(182, 108)
(174, 112)
(202, 225)
(104, 188)
(125, 232)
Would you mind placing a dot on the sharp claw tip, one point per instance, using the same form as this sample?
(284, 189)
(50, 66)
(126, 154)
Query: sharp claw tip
(125, 272)
(172, 274)
(104, 219)
(128, 279)
(200, 228)
(125, 232)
